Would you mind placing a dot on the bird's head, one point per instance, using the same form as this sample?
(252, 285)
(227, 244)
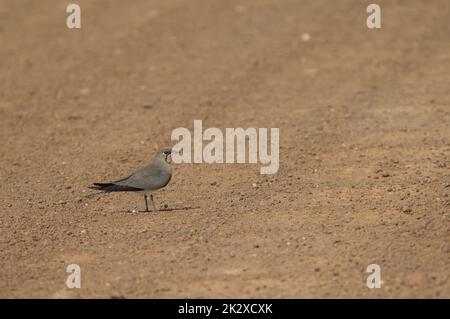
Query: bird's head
(165, 154)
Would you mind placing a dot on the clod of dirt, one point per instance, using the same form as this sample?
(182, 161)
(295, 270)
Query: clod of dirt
(406, 209)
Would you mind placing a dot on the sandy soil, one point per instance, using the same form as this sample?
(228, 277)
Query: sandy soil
(364, 118)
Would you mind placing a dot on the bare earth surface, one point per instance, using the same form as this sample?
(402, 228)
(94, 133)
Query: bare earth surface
(364, 118)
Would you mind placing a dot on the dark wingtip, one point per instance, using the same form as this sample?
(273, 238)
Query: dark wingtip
(111, 187)
(100, 186)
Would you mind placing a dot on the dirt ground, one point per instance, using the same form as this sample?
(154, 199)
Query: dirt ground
(364, 119)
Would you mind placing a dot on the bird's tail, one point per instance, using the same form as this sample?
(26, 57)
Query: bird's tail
(111, 187)
(101, 186)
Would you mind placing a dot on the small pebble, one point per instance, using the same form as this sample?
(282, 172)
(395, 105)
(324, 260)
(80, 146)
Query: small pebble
(306, 37)
(85, 91)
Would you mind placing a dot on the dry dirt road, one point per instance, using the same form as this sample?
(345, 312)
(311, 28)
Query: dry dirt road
(364, 119)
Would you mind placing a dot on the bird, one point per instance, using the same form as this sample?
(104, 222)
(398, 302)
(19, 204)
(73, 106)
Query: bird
(146, 180)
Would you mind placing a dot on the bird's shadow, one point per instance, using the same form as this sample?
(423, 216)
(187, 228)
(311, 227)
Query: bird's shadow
(169, 209)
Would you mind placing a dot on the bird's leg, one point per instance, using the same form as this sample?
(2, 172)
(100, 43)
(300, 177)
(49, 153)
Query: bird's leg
(153, 203)
(146, 204)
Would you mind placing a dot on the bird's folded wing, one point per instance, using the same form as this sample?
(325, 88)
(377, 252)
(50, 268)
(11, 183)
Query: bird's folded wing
(148, 178)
